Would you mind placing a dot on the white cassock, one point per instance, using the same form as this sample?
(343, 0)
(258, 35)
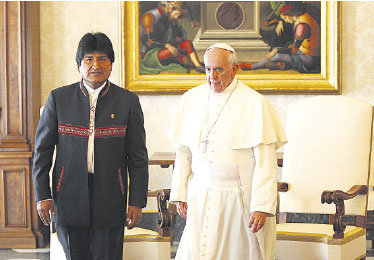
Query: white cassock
(235, 176)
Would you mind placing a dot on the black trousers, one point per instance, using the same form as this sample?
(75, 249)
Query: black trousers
(89, 243)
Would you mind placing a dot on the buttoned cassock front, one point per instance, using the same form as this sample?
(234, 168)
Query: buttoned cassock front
(119, 148)
(236, 175)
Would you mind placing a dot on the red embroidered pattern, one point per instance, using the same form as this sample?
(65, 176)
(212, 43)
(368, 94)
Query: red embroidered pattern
(99, 132)
(60, 179)
(120, 181)
(84, 93)
(73, 130)
(106, 90)
(110, 131)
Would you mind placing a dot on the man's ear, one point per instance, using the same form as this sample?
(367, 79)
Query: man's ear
(235, 68)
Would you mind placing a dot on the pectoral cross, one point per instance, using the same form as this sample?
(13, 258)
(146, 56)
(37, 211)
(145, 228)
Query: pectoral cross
(204, 144)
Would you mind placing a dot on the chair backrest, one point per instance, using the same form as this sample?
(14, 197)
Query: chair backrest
(329, 140)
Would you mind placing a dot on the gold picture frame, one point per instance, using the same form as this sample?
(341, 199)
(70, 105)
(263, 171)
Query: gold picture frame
(328, 81)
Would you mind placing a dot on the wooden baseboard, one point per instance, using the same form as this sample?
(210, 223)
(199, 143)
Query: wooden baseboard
(19, 240)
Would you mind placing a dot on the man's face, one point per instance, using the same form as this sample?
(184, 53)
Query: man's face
(95, 69)
(218, 69)
(174, 10)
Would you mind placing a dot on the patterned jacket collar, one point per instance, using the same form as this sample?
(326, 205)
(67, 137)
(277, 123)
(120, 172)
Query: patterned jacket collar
(102, 92)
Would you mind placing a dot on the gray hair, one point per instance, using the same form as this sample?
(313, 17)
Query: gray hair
(232, 58)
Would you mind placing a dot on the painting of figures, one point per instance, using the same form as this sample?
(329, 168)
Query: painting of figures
(281, 46)
(164, 45)
(291, 31)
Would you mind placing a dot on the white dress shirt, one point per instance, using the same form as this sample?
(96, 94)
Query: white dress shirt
(93, 94)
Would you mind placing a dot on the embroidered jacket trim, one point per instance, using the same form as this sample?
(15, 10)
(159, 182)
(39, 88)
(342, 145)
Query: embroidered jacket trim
(99, 132)
(73, 130)
(110, 131)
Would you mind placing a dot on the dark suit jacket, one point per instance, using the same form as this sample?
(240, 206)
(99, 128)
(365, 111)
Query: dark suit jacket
(119, 149)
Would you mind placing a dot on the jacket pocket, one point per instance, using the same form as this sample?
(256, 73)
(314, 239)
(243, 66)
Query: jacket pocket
(60, 179)
(120, 181)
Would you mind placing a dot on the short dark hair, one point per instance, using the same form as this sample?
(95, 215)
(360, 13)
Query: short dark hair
(92, 42)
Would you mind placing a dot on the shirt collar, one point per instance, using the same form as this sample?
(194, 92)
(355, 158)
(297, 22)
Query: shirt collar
(92, 91)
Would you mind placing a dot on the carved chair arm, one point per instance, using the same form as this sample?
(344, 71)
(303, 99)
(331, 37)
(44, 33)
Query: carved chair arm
(166, 224)
(332, 196)
(337, 197)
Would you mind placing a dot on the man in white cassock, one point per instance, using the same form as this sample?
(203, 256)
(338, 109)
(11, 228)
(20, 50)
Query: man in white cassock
(224, 181)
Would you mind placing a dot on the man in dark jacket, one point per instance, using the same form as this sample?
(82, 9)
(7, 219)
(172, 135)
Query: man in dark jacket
(97, 129)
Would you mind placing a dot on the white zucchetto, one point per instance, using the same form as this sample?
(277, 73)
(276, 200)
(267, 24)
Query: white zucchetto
(221, 45)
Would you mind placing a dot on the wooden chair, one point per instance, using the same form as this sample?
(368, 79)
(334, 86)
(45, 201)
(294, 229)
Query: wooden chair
(326, 161)
(144, 244)
(147, 244)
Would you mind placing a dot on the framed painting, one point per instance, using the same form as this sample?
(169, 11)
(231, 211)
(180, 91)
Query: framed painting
(162, 46)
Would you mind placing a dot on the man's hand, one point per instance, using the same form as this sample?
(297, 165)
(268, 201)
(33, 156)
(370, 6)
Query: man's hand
(172, 49)
(271, 54)
(257, 221)
(279, 29)
(182, 209)
(149, 42)
(134, 215)
(45, 208)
